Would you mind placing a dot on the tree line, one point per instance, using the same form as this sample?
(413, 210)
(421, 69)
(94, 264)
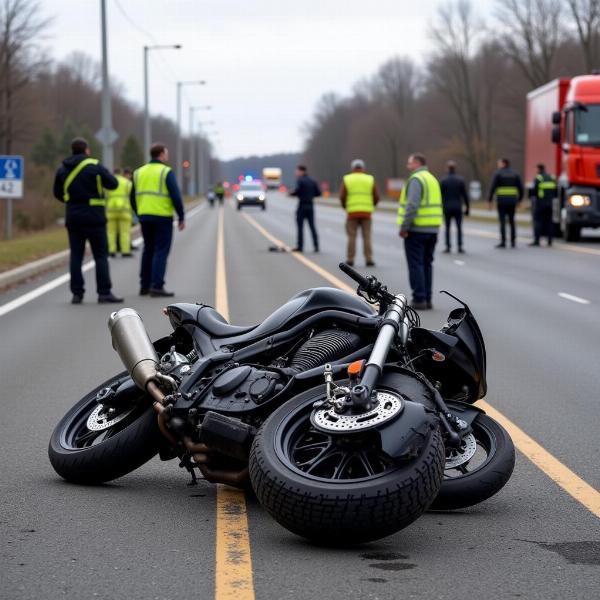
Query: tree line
(44, 104)
(465, 101)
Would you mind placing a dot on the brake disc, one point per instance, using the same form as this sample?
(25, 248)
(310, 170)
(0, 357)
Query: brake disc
(456, 457)
(99, 420)
(387, 407)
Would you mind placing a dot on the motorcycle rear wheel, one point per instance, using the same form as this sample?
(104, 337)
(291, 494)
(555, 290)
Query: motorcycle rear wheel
(116, 444)
(484, 474)
(336, 491)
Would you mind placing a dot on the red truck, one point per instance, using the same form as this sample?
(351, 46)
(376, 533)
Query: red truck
(563, 132)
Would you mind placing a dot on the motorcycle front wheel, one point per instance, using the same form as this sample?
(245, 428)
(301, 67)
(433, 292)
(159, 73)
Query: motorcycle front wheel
(337, 489)
(93, 443)
(479, 469)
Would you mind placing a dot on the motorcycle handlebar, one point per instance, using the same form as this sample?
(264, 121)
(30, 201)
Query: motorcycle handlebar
(362, 281)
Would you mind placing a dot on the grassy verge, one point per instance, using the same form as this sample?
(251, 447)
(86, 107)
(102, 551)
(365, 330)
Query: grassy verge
(28, 247)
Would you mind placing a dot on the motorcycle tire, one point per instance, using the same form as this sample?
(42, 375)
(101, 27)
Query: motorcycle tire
(338, 511)
(92, 456)
(490, 471)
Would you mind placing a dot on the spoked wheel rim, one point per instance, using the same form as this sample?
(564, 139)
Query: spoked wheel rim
(335, 458)
(95, 423)
(477, 450)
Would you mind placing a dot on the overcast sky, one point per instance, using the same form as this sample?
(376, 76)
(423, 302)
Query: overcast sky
(266, 62)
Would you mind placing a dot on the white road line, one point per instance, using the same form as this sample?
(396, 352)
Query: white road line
(460, 263)
(54, 283)
(573, 298)
(40, 291)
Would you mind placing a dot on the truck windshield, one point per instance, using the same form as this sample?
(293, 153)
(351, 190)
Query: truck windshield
(587, 126)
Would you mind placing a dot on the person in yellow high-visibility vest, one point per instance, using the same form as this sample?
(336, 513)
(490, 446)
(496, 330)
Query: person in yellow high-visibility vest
(155, 198)
(119, 215)
(420, 216)
(359, 196)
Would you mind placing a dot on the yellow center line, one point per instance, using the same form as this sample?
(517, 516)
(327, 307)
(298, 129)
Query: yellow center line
(233, 568)
(301, 258)
(539, 456)
(570, 482)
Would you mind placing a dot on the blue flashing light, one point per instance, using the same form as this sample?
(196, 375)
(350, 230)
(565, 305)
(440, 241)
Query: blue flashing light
(248, 177)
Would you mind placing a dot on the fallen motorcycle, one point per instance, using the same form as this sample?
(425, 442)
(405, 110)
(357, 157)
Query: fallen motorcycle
(346, 417)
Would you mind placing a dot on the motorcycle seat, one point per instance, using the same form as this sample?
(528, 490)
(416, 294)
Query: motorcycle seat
(215, 324)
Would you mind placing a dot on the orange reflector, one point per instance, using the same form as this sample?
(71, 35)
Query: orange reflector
(165, 311)
(438, 356)
(355, 368)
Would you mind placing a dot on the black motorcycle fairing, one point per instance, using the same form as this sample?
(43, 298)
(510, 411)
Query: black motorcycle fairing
(462, 370)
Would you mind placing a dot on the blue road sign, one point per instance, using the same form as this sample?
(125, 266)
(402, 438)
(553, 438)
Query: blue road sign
(11, 176)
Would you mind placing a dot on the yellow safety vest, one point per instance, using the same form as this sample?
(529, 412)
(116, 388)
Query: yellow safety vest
(100, 201)
(546, 183)
(117, 201)
(429, 213)
(151, 194)
(359, 187)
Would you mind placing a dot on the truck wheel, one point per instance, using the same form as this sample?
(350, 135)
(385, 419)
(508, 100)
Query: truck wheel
(572, 233)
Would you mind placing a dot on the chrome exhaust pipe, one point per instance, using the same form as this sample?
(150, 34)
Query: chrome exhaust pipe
(132, 343)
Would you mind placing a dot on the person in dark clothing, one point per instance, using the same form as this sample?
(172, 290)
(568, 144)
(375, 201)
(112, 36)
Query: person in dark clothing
(454, 195)
(155, 197)
(306, 190)
(508, 189)
(80, 184)
(544, 192)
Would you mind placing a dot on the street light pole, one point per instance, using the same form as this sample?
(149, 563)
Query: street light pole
(201, 161)
(179, 153)
(107, 131)
(147, 124)
(192, 172)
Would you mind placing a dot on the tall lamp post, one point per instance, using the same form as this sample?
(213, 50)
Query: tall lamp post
(147, 132)
(202, 142)
(179, 153)
(192, 177)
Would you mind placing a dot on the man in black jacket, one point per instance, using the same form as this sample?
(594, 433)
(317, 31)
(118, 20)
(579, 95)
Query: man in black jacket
(508, 190)
(454, 194)
(307, 189)
(80, 183)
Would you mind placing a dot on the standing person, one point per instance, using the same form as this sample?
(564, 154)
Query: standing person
(220, 191)
(419, 218)
(544, 192)
(454, 195)
(80, 184)
(118, 214)
(306, 190)
(359, 196)
(155, 196)
(508, 189)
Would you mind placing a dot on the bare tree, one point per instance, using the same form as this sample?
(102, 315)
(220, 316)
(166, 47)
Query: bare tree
(20, 26)
(455, 73)
(586, 14)
(532, 31)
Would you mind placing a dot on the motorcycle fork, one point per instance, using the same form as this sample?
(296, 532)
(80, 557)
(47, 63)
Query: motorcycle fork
(394, 325)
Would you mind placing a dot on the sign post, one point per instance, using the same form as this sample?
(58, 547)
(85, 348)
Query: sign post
(11, 186)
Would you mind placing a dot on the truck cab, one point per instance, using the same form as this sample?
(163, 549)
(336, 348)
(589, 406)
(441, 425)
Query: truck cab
(577, 133)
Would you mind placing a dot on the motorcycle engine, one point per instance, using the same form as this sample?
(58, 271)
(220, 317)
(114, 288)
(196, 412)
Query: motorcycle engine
(242, 389)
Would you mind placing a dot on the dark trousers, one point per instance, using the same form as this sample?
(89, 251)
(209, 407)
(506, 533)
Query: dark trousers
(96, 235)
(157, 244)
(419, 249)
(507, 211)
(449, 215)
(542, 220)
(306, 213)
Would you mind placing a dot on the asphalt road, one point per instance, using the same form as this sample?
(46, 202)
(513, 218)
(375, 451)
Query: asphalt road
(149, 535)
